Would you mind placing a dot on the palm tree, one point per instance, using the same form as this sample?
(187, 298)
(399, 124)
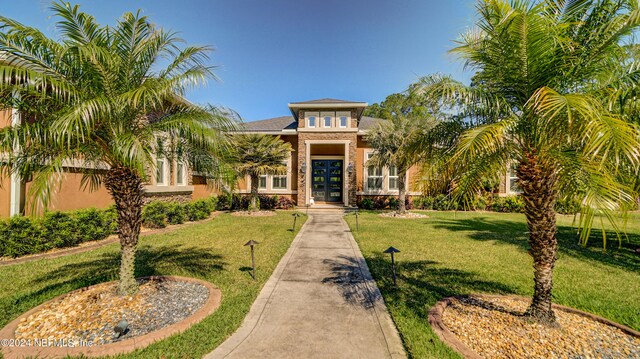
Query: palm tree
(394, 139)
(109, 99)
(256, 155)
(536, 97)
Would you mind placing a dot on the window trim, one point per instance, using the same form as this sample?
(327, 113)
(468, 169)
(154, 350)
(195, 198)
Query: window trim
(165, 172)
(385, 190)
(346, 115)
(396, 177)
(367, 156)
(308, 116)
(181, 180)
(269, 181)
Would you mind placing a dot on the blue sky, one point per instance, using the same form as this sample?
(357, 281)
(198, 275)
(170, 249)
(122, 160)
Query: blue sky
(272, 52)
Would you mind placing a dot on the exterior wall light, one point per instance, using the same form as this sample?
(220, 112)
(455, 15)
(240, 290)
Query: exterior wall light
(350, 168)
(303, 168)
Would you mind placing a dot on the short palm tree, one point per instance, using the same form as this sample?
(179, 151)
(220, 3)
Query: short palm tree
(536, 94)
(394, 140)
(106, 98)
(256, 155)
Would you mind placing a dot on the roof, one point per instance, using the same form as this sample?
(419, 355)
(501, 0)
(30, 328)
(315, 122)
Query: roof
(272, 124)
(367, 123)
(323, 101)
(279, 124)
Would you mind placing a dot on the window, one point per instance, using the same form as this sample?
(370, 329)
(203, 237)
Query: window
(312, 118)
(513, 180)
(180, 174)
(374, 176)
(327, 121)
(279, 182)
(393, 178)
(343, 121)
(160, 169)
(262, 182)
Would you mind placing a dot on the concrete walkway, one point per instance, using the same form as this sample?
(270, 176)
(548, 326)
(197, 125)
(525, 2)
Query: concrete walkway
(320, 302)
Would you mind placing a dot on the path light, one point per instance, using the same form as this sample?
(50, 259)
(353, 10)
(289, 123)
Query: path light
(252, 243)
(121, 328)
(357, 226)
(295, 217)
(392, 250)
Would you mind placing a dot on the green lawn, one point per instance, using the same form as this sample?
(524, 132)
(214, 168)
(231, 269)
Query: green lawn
(211, 250)
(453, 253)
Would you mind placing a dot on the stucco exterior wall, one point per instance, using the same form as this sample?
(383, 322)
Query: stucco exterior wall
(5, 199)
(70, 196)
(5, 118)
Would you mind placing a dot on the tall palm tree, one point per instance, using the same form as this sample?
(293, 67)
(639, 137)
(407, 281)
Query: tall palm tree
(394, 140)
(536, 95)
(109, 99)
(256, 155)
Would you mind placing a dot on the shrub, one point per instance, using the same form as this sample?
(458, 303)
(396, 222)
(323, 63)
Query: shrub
(366, 203)
(199, 210)
(267, 202)
(441, 202)
(513, 204)
(285, 203)
(59, 229)
(393, 203)
(94, 224)
(21, 236)
(110, 217)
(480, 203)
(176, 213)
(154, 215)
(213, 203)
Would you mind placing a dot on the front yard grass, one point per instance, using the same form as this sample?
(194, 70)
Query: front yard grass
(455, 253)
(212, 251)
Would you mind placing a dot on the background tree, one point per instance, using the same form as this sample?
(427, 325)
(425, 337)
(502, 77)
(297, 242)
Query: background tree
(256, 155)
(536, 98)
(393, 140)
(104, 97)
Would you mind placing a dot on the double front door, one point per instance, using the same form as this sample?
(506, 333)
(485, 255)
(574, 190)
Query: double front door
(326, 180)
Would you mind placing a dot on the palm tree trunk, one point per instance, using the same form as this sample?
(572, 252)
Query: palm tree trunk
(254, 193)
(125, 187)
(402, 192)
(538, 182)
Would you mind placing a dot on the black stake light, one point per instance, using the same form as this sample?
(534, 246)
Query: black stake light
(295, 217)
(357, 226)
(391, 251)
(252, 243)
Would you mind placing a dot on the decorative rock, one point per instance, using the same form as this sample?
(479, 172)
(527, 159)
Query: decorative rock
(495, 328)
(90, 315)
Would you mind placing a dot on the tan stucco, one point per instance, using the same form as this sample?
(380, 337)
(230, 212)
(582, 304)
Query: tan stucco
(69, 196)
(5, 193)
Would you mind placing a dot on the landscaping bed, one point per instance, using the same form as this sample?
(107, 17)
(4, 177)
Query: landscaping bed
(494, 327)
(253, 213)
(407, 215)
(91, 314)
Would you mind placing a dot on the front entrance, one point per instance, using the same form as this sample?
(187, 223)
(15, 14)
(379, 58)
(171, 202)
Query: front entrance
(326, 185)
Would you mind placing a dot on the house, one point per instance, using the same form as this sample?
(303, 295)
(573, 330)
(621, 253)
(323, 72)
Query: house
(327, 165)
